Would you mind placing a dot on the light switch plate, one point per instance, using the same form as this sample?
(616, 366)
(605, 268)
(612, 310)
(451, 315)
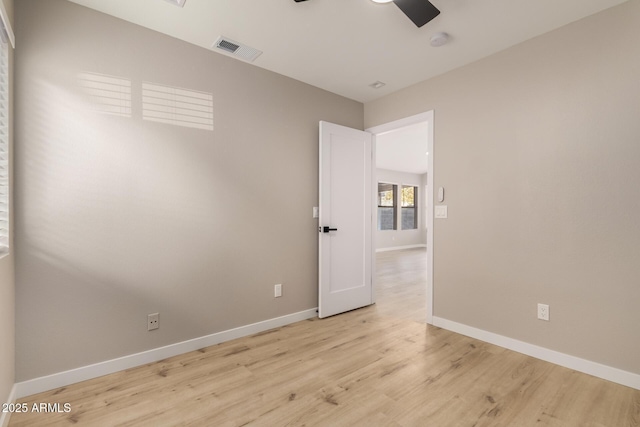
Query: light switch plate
(316, 212)
(441, 211)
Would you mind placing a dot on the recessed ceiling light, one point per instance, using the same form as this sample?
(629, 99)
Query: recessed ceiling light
(177, 2)
(377, 85)
(381, 1)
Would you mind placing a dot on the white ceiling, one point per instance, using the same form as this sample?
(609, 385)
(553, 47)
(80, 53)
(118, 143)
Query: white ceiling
(403, 150)
(345, 45)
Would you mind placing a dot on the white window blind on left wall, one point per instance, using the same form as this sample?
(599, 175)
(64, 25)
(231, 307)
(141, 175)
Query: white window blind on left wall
(6, 36)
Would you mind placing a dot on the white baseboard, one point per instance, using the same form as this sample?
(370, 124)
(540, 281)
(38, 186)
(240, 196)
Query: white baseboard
(609, 373)
(5, 416)
(61, 379)
(399, 248)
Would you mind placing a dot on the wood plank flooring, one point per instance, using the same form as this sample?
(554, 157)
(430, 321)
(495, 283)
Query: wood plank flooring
(401, 284)
(376, 366)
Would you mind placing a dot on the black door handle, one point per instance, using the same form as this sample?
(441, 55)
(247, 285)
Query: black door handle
(326, 229)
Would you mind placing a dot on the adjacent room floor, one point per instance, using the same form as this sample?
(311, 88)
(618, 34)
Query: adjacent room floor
(377, 366)
(401, 284)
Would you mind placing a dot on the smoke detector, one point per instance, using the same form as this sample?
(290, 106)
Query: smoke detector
(439, 39)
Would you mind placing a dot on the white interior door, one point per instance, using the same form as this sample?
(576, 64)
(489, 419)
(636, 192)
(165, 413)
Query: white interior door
(345, 231)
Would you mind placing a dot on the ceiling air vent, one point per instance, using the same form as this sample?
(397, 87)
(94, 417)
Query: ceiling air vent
(236, 49)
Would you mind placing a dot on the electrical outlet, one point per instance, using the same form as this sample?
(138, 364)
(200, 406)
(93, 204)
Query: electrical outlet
(277, 290)
(153, 321)
(543, 312)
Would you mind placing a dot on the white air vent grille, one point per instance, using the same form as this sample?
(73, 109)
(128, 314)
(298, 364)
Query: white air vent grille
(228, 46)
(236, 49)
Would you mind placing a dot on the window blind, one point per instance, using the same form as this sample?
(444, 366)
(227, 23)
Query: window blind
(4, 148)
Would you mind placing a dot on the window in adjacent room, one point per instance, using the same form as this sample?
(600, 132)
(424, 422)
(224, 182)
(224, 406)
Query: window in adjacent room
(387, 206)
(409, 207)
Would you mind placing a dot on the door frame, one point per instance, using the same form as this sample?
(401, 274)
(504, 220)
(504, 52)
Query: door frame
(427, 117)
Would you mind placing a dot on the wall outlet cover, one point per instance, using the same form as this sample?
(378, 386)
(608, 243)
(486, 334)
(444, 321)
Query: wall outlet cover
(153, 321)
(543, 312)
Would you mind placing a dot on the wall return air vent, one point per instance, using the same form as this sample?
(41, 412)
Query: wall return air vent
(236, 49)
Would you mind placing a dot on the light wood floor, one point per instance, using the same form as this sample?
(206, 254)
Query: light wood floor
(377, 366)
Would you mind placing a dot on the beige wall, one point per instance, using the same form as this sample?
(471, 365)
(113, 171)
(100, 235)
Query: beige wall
(120, 217)
(7, 282)
(538, 150)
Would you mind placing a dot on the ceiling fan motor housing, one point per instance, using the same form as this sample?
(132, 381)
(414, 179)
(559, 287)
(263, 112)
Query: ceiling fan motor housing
(419, 11)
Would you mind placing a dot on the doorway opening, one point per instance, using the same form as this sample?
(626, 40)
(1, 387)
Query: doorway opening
(404, 246)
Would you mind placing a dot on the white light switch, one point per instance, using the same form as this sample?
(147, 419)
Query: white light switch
(315, 212)
(441, 211)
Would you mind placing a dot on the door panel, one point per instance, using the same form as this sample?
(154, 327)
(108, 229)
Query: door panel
(345, 255)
